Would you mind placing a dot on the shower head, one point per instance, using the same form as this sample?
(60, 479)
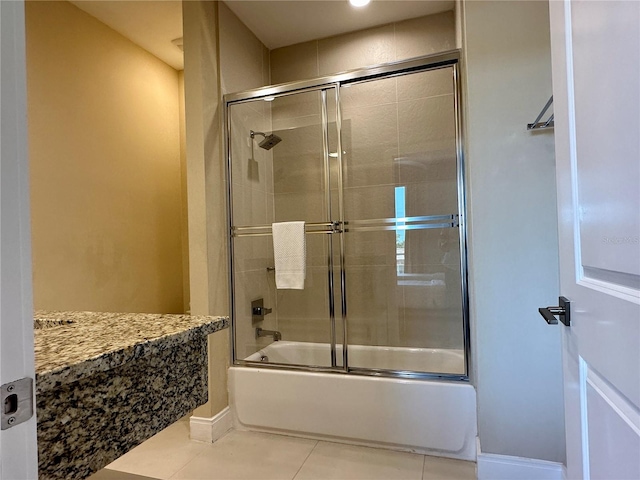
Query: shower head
(269, 141)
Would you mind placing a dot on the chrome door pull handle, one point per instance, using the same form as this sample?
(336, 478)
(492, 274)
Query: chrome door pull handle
(563, 312)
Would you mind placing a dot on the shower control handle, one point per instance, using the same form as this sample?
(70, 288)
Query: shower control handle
(261, 311)
(258, 310)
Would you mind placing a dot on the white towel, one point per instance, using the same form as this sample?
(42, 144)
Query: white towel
(289, 251)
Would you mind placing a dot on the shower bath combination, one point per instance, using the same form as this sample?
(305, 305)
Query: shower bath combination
(387, 238)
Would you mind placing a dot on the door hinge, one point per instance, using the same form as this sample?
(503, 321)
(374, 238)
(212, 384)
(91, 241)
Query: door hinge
(17, 402)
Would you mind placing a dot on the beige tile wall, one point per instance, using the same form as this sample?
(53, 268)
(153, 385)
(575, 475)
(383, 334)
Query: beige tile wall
(357, 49)
(296, 62)
(396, 41)
(243, 58)
(395, 132)
(425, 35)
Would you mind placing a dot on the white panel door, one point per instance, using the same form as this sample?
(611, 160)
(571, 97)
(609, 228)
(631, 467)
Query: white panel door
(596, 87)
(18, 453)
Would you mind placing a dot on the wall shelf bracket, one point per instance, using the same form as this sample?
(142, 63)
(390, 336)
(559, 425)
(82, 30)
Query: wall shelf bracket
(540, 125)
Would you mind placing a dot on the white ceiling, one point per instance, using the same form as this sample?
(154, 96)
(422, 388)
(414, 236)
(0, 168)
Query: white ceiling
(153, 24)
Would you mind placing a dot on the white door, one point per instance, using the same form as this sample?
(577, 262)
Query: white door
(596, 88)
(18, 453)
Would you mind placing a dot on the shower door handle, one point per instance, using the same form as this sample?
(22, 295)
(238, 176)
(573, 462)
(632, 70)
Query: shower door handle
(563, 312)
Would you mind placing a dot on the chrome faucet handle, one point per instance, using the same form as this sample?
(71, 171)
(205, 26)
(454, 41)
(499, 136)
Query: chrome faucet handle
(261, 311)
(258, 310)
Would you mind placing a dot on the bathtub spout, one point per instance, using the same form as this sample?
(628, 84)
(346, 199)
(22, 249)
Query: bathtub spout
(261, 332)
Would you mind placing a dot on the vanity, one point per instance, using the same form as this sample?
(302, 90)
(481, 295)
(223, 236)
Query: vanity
(105, 382)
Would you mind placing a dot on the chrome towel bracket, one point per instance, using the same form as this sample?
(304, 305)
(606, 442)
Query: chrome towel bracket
(537, 123)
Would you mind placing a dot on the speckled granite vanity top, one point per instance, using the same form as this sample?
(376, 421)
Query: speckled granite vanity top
(72, 345)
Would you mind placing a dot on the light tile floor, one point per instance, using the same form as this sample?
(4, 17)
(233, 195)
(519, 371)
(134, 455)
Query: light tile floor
(261, 456)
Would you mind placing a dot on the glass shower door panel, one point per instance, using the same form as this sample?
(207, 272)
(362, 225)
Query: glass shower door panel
(301, 188)
(279, 176)
(252, 210)
(402, 254)
(251, 166)
(252, 281)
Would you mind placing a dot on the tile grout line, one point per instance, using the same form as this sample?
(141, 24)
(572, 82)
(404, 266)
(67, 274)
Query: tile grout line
(424, 461)
(305, 460)
(148, 442)
(395, 42)
(204, 448)
(183, 466)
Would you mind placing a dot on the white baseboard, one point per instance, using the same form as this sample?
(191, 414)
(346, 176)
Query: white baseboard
(505, 467)
(211, 429)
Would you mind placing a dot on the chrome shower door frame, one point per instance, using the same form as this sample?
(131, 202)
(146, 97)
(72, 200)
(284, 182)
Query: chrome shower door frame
(324, 84)
(328, 226)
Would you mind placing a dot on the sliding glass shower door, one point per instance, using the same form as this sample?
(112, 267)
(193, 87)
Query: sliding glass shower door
(281, 171)
(402, 205)
(371, 162)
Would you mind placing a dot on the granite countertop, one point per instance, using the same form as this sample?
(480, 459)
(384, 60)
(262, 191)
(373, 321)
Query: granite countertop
(72, 345)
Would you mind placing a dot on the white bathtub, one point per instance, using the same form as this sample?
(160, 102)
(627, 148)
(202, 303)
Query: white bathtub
(386, 358)
(423, 416)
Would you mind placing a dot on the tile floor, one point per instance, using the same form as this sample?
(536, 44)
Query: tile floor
(260, 456)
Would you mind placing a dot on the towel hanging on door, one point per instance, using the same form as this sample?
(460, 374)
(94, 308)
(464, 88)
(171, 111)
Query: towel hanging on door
(290, 255)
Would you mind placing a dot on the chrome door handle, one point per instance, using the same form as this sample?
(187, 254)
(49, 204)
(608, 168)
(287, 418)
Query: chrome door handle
(563, 312)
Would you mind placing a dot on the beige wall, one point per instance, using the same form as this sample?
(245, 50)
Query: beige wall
(184, 225)
(207, 271)
(105, 167)
(513, 229)
(211, 31)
